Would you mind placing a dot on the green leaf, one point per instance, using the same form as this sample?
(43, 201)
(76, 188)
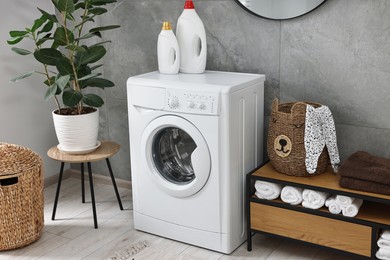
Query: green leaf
(86, 36)
(21, 51)
(47, 83)
(38, 23)
(48, 26)
(66, 6)
(75, 48)
(90, 76)
(98, 10)
(99, 83)
(64, 67)
(104, 28)
(71, 98)
(17, 33)
(92, 55)
(44, 39)
(48, 56)
(93, 100)
(96, 66)
(48, 16)
(24, 75)
(14, 40)
(83, 71)
(62, 81)
(51, 91)
(102, 2)
(61, 34)
(79, 5)
(100, 43)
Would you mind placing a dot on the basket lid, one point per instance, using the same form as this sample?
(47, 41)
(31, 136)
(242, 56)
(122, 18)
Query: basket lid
(15, 159)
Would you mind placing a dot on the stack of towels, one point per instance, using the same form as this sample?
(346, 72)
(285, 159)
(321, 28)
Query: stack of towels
(289, 194)
(308, 198)
(365, 172)
(384, 246)
(348, 206)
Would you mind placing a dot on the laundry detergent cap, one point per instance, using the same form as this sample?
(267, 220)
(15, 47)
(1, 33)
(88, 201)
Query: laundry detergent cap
(189, 5)
(166, 26)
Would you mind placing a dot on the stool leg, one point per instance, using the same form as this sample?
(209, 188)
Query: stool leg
(58, 191)
(82, 184)
(114, 184)
(92, 194)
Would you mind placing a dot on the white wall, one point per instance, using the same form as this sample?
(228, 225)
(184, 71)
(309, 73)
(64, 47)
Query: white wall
(25, 118)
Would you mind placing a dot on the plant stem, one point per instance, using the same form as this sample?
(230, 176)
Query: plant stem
(47, 75)
(76, 85)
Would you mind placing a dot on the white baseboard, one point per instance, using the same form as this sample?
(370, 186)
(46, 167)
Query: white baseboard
(54, 179)
(97, 178)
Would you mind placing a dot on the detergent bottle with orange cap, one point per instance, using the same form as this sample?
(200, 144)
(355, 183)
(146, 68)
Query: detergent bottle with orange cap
(168, 52)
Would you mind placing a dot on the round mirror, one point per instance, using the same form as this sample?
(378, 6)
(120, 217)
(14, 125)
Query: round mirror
(279, 9)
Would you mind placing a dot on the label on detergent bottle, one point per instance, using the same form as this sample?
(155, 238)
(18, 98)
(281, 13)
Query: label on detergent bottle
(191, 36)
(168, 53)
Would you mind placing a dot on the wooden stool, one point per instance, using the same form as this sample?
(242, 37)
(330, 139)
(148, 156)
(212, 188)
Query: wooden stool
(105, 150)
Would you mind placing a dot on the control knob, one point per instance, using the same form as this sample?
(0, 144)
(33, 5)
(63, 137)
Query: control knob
(173, 103)
(202, 106)
(191, 104)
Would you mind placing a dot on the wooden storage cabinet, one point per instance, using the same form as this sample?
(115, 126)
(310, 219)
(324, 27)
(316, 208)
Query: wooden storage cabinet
(356, 236)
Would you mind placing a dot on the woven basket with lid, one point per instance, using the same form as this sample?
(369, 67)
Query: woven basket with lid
(21, 196)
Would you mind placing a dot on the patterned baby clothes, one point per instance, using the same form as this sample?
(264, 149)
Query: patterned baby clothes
(320, 131)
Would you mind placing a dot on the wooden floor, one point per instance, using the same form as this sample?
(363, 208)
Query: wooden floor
(72, 236)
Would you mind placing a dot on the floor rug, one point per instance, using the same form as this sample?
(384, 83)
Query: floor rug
(127, 252)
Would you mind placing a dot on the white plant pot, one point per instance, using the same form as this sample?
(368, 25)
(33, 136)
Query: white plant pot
(77, 133)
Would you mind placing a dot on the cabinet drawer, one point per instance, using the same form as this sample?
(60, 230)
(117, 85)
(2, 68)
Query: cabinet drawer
(315, 229)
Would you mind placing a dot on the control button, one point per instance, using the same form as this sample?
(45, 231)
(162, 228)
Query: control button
(173, 103)
(191, 104)
(202, 106)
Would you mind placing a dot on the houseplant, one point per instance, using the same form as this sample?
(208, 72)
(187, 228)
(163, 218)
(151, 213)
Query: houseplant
(69, 65)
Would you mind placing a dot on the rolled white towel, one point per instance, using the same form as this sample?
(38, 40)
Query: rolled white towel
(313, 199)
(386, 234)
(344, 200)
(383, 253)
(383, 243)
(352, 209)
(267, 190)
(292, 195)
(333, 206)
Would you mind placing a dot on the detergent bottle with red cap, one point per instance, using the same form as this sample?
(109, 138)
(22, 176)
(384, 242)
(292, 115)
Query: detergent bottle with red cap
(191, 37)
(168, 53)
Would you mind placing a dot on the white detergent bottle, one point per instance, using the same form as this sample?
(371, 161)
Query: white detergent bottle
(191, 36)
(168, 53)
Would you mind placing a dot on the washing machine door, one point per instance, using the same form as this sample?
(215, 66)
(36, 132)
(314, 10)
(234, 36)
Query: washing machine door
(177, 156)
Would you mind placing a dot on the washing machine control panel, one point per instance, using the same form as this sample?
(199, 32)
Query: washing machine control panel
(192, 102)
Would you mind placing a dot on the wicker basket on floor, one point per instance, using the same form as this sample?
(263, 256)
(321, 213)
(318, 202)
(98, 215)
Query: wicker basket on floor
(21, 196)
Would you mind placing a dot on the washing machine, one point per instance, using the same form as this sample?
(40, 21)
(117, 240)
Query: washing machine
(193, 138)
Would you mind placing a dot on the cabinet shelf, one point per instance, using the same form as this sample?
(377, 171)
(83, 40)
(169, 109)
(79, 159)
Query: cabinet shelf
(356, 236)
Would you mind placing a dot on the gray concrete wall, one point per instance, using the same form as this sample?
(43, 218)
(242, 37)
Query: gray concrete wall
(338, 55)
(25, 117)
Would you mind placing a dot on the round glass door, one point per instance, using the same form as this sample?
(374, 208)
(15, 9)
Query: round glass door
(177, 155)
(172, 150)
